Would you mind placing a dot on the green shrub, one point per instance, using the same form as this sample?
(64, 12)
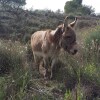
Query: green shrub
(77, 93)
(2, 88)
(92, 45)
(13, 60)
(90, 75)
(12, 56)
(86, 23)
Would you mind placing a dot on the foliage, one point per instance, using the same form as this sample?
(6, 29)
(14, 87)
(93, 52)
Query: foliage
(2, 86)
(92, 45)
(20, 24)
(12, 56)
(86, 23)
(76, 7)
(70, 7)
(79, 2)
(12, 3)
(85, 10)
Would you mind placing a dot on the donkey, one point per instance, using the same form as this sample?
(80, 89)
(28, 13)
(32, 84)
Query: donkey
(48, 43)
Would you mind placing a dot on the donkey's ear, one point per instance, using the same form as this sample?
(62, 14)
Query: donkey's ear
(65, 25)
(73, 23)
(59, 30)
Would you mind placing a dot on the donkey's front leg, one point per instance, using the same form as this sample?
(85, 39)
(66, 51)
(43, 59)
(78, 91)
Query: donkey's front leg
(46, 66)
(52, 66)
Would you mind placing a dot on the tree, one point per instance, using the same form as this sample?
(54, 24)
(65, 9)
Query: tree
(76, 7)
(70, 7)
(12, 3)
(79, 2)
(85, 10)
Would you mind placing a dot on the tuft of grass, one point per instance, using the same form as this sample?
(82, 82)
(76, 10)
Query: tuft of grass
(92, 45)
(2, 88)
(12, 56)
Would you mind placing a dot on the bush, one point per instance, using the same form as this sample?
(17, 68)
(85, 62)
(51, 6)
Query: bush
(92, 45)
(75, 7)
(13, 61)
(2, 88)
(86, 23)
(12, 56)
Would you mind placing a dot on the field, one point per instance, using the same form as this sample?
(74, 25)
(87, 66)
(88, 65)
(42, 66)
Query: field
(76, 78)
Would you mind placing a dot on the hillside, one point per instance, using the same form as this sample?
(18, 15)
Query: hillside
(19, 23)
(23, 22)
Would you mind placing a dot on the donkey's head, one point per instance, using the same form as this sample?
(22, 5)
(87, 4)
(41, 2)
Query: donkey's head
(68, 37)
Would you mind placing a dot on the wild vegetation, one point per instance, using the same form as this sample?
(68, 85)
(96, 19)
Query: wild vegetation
(76, 77)
(75, 7)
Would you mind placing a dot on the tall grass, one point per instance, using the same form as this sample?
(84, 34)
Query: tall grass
(92, 44)
(12, 55)
(13, 66)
